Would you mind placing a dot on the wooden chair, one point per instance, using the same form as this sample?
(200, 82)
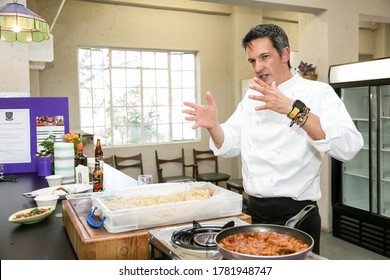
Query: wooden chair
(208, 158)
(173, 163)
(134, 161)
(110, 160)
(237, 184)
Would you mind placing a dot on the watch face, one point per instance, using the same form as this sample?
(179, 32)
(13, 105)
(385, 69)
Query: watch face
(299, 104)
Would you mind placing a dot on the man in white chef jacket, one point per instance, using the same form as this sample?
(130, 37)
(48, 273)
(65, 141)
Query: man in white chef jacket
(282, 128)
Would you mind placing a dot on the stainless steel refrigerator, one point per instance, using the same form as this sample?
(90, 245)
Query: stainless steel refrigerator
(361, 187)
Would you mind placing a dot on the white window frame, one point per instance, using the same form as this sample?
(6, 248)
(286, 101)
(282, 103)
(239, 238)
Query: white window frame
(127, 110)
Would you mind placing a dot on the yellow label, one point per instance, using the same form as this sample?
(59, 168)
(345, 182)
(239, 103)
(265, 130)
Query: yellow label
(293, 113)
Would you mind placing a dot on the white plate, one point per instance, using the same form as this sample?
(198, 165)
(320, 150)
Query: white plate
(72, 188)
(33, 219)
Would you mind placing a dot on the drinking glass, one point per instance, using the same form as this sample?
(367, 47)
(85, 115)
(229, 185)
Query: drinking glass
(1, 171)
(145, 179)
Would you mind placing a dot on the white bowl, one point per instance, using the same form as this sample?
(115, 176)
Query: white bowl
(46, 200)
(54, 180)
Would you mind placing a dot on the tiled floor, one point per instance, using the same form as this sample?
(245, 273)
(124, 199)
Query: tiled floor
(334, 248)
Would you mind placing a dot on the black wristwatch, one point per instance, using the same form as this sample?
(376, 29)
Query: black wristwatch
(298, 107)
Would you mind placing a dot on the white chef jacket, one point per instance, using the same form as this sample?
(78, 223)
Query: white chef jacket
(283, 161)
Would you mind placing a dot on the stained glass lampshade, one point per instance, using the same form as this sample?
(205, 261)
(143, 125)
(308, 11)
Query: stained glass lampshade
(17, 23)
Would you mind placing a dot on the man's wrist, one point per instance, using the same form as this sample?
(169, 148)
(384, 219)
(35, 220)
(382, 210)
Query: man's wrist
(298, 113)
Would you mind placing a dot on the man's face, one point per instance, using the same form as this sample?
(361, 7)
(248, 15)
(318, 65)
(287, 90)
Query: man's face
(266, 62)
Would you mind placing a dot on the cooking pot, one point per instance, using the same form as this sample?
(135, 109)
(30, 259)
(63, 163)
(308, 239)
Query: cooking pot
(287, 229)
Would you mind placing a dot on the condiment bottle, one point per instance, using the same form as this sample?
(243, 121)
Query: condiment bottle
(80, 158)
(80, 163)
(97, 178)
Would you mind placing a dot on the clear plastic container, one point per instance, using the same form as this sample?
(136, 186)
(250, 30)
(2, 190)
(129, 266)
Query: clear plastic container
(222, 203)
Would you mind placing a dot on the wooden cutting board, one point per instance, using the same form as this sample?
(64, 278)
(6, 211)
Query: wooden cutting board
(99, 244)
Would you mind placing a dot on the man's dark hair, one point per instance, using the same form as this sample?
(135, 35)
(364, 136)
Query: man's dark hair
(273, 32)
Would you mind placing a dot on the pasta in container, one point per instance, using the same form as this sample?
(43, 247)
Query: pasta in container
(155, 205)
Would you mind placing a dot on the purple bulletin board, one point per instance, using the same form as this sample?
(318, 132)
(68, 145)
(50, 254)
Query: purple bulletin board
(37, 106)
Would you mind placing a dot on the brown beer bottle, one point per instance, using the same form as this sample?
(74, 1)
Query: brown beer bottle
(98, 151)
(97, 178)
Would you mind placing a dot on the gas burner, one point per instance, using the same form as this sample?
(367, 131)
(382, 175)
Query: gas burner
(198, 237)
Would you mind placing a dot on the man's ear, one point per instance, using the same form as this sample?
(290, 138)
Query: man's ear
(286, 54)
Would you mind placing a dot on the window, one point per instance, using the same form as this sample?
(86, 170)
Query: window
(136, 96)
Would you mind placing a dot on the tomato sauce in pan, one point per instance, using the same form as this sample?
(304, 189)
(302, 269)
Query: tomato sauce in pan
(263, 244)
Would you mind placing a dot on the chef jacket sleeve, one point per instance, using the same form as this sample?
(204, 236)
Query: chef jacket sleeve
(343, 140)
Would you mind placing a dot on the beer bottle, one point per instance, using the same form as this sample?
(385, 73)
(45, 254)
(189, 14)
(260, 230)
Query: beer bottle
(98, 151)
(97, 178)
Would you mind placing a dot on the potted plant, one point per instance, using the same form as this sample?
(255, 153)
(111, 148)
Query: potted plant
(307, 71)
(44, 157)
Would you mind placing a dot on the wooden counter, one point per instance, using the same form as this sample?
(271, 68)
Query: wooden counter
(98, 244)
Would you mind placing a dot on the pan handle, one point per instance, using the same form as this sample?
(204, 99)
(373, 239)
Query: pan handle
(298, 217)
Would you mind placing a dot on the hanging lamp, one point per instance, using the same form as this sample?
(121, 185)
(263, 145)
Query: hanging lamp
(17, 23)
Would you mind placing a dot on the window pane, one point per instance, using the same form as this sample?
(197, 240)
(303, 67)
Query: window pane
(188, 95)
(150, 116)
(163, 133)
(134, 117)
(177, 114)
(134, 134)
(133, 78)
(177, 98)
(119, 115)
(149, 96)
(148, 60)
(150, 133)
(97, 59)
(85, 97)
(188, 132)
(85, 77)
(163, 115)
(188, 79)
(120, 135)
(133, 59)
(133, 97)
(118, 58)
(84, 58)
(177, 131)
(86, 117)
(162, 96)
(176, 79)
(188, 62)
(98, 98)
(119, 97)
(98, 117)
(175, 62)
(98, 78)
(149, 78)
(162, 78)
(118, 78)
(161, 60)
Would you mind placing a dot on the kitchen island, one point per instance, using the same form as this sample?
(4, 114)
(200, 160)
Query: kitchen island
(45, 240)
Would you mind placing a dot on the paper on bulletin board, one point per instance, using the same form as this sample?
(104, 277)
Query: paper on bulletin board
(15, 136)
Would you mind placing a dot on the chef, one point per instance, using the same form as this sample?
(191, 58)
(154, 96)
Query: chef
(282, 128)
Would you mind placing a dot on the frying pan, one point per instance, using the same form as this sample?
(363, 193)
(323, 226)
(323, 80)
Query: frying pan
(287, 229)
